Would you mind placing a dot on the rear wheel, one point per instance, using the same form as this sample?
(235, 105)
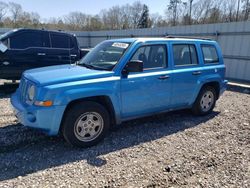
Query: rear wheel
(205, 101)
(85, 124)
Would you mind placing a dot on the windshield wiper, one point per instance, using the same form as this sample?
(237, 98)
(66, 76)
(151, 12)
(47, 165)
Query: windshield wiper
(92, 66)
(86, 65)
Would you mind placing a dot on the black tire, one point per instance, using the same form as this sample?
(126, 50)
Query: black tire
(73, 132)
(198, 108)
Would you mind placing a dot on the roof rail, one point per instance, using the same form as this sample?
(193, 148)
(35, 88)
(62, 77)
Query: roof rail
(187, 37)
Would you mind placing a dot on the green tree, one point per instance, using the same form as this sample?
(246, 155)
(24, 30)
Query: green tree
(144, 21)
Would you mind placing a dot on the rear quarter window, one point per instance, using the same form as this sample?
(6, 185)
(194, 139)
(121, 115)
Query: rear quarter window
(60, 41)
(210, 54)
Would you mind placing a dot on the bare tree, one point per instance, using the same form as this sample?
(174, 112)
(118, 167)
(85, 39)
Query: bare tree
(204, 10)
(112, 18)
(95, 23)
(35, 18)
(126, 16)
(246, 9)
(228, 10)
(136, 11)
(3, 10)
(173, 10)
(130, 15)
(16, 12)
(76, 20)
(122, 17)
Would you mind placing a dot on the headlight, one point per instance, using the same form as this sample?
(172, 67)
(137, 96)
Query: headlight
(31, 93)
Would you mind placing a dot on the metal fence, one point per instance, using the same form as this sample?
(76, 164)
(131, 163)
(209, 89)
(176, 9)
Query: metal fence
(234, 39)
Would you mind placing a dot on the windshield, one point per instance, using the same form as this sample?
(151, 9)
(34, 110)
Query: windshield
(3, 36)
(105, 55)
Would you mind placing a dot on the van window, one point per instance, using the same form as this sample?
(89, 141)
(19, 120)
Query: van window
(209, 54)
(153, 56)
(60, 41)
(185, 54)
(26, 40)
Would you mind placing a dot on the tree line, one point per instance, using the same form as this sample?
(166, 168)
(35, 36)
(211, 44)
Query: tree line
(131, 16)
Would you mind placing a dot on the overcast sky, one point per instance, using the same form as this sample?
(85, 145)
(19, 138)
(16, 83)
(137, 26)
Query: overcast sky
(57, 8)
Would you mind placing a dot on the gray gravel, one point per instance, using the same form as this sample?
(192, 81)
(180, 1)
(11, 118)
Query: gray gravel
(175, 149)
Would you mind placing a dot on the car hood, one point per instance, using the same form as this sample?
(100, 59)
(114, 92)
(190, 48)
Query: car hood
(63, 73)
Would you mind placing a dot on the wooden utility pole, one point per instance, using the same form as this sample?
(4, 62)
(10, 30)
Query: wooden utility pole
(247, 10)
(238, 9)
(190, 11)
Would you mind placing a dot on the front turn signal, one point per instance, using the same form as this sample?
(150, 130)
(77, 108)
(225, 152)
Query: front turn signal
(44, 103)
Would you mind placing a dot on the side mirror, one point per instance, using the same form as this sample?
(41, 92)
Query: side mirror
(133, 66)
(3, 48)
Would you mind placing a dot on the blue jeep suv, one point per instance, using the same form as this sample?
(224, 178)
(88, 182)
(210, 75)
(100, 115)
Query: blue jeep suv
(119, 80)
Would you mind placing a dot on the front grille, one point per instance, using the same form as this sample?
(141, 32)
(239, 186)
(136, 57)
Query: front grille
(24, 85)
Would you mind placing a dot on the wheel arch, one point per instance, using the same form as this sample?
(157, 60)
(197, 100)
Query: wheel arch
(213, 84)
(102, 99)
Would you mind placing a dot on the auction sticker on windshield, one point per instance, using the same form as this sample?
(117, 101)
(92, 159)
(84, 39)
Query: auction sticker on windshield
(120, 45)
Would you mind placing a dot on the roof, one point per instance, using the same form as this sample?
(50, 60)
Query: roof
(11, 32)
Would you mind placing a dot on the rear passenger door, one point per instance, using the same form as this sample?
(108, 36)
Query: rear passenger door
(60, 51)
(185, 75)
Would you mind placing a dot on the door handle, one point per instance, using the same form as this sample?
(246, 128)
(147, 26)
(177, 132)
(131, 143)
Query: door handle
(164, 77)
(73, 55)
(41, 54)
(6, 63)
(197, 72)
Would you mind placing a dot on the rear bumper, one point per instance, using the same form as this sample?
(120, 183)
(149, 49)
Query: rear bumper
(48, 119)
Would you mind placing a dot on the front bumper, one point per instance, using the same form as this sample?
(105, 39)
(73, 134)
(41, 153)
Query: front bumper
(47, 119)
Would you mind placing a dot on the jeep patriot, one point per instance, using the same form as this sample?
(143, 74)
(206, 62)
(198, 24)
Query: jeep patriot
(120, 80)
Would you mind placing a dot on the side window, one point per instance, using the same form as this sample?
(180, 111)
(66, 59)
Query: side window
(26, 40)
(6, 42)
(209, 54)
(185, 54)
(153, 56)
(60, 41)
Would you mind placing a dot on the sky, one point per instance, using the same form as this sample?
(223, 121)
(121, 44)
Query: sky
(58, 8)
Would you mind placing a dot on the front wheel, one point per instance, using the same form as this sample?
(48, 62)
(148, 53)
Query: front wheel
(85, 124)
(205, 101)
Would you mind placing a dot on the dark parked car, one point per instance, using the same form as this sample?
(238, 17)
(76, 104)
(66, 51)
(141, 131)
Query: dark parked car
(22, 49)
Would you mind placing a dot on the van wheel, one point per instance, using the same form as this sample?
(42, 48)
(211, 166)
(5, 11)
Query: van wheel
(205, 101)
(85, 124)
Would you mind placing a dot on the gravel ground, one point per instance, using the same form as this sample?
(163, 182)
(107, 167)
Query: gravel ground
(174, 149)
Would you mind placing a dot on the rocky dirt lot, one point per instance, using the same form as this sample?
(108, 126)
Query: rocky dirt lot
(174, 149)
